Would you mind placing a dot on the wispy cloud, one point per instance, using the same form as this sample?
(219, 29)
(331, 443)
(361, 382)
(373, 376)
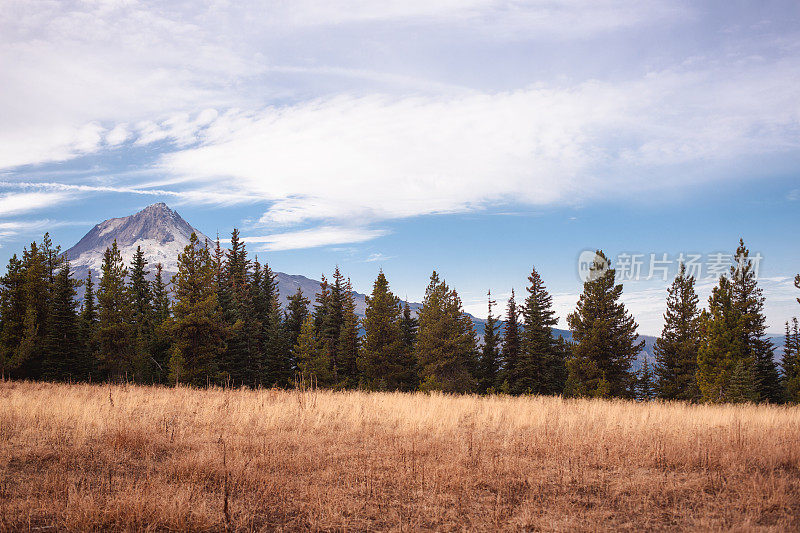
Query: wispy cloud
(313, 238)
(25, 202)
(377, 256)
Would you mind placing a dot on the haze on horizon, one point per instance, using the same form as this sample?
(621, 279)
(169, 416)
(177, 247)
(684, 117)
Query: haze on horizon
(476, 138)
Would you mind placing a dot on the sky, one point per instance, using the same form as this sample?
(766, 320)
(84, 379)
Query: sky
(478, 138)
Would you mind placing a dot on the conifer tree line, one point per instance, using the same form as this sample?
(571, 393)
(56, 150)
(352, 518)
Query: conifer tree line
(218, 321)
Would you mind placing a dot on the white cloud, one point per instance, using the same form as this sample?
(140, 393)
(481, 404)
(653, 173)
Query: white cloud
(312, 238)
(19, 203)
(375, 257)
(381, 157)
(118, 135)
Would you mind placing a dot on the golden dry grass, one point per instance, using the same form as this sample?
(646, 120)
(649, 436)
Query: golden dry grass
(79, 457)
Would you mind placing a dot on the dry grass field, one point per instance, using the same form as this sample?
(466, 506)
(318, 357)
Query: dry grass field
(79, 457)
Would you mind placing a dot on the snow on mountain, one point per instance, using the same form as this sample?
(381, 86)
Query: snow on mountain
(160, 231)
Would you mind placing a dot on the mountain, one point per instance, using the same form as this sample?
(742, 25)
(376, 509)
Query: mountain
(160, 231)
(163, 233)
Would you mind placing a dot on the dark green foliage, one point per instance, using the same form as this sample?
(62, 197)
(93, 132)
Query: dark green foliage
(198, 331)
(142, 315)
(161, 340)
(721, 348)
(511, 348)
(743, 385)
(446, 344)
(12, 313)
(26, 359)
(409, 325)
(115, 332)
(383, 361)
(791, 362)
(296, 313)
(63, 354)
(604, 335)
(88, 329)
(748, 299)
(277, 342)
(677, 348)
(313, 364)
(645, 385)
(489, 358)
(540, 365)
(348, 343)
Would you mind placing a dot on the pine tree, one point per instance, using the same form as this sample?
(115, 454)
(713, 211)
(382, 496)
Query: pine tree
(721, 347)
(383, 352)
(489, 360)
(645, 386)
(748, 299)
(88, 328)
(791, 362)
(540, 366)
(277, 340)
(511, 348)
(677, 348)
(243, 356)
(27, 356)
(446, 344)
(141, 299)
(198, 330)
(604, 334)
(313, 363)
(62, 350)
(296, 313)
(331, 327)
(12, 313)
(743, 384)
(161, 340)
(409, 326)
(115, 333)
(348, 342)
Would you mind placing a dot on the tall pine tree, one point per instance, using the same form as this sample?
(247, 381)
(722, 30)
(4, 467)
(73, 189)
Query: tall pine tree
(511, 348)
(62, 350)
(489, 359)
(605, 337)
(677, 348)
(115, 332)
(198, 329)
(540, 367)
(382, 360)
(446, 344)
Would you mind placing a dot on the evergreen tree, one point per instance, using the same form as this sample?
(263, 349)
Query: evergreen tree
(313, 363)
(161, 340)
(604, 334)
(27, 356)
(409, 326)
(383, 355)
(331, 326)
(446, 344)
(489, 361)
(511, 348)
(88, 328)
(791, 362)
(348, 343)
(115, 332)
(645, 386)
(296, 313)
(748, 300)
(62, 350)
(277, 340)
(198, 330)
(12, 313)
(540, 366)
(743, 385)
(721, 347)
(243, 356)
(141, 299)
(677, 348)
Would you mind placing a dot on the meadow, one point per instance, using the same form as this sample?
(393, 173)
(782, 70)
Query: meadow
(99, 457)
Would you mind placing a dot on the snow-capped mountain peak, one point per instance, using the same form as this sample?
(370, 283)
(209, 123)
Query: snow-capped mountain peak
(160, 231)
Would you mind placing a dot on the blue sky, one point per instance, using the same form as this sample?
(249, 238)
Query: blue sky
(475, 137)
